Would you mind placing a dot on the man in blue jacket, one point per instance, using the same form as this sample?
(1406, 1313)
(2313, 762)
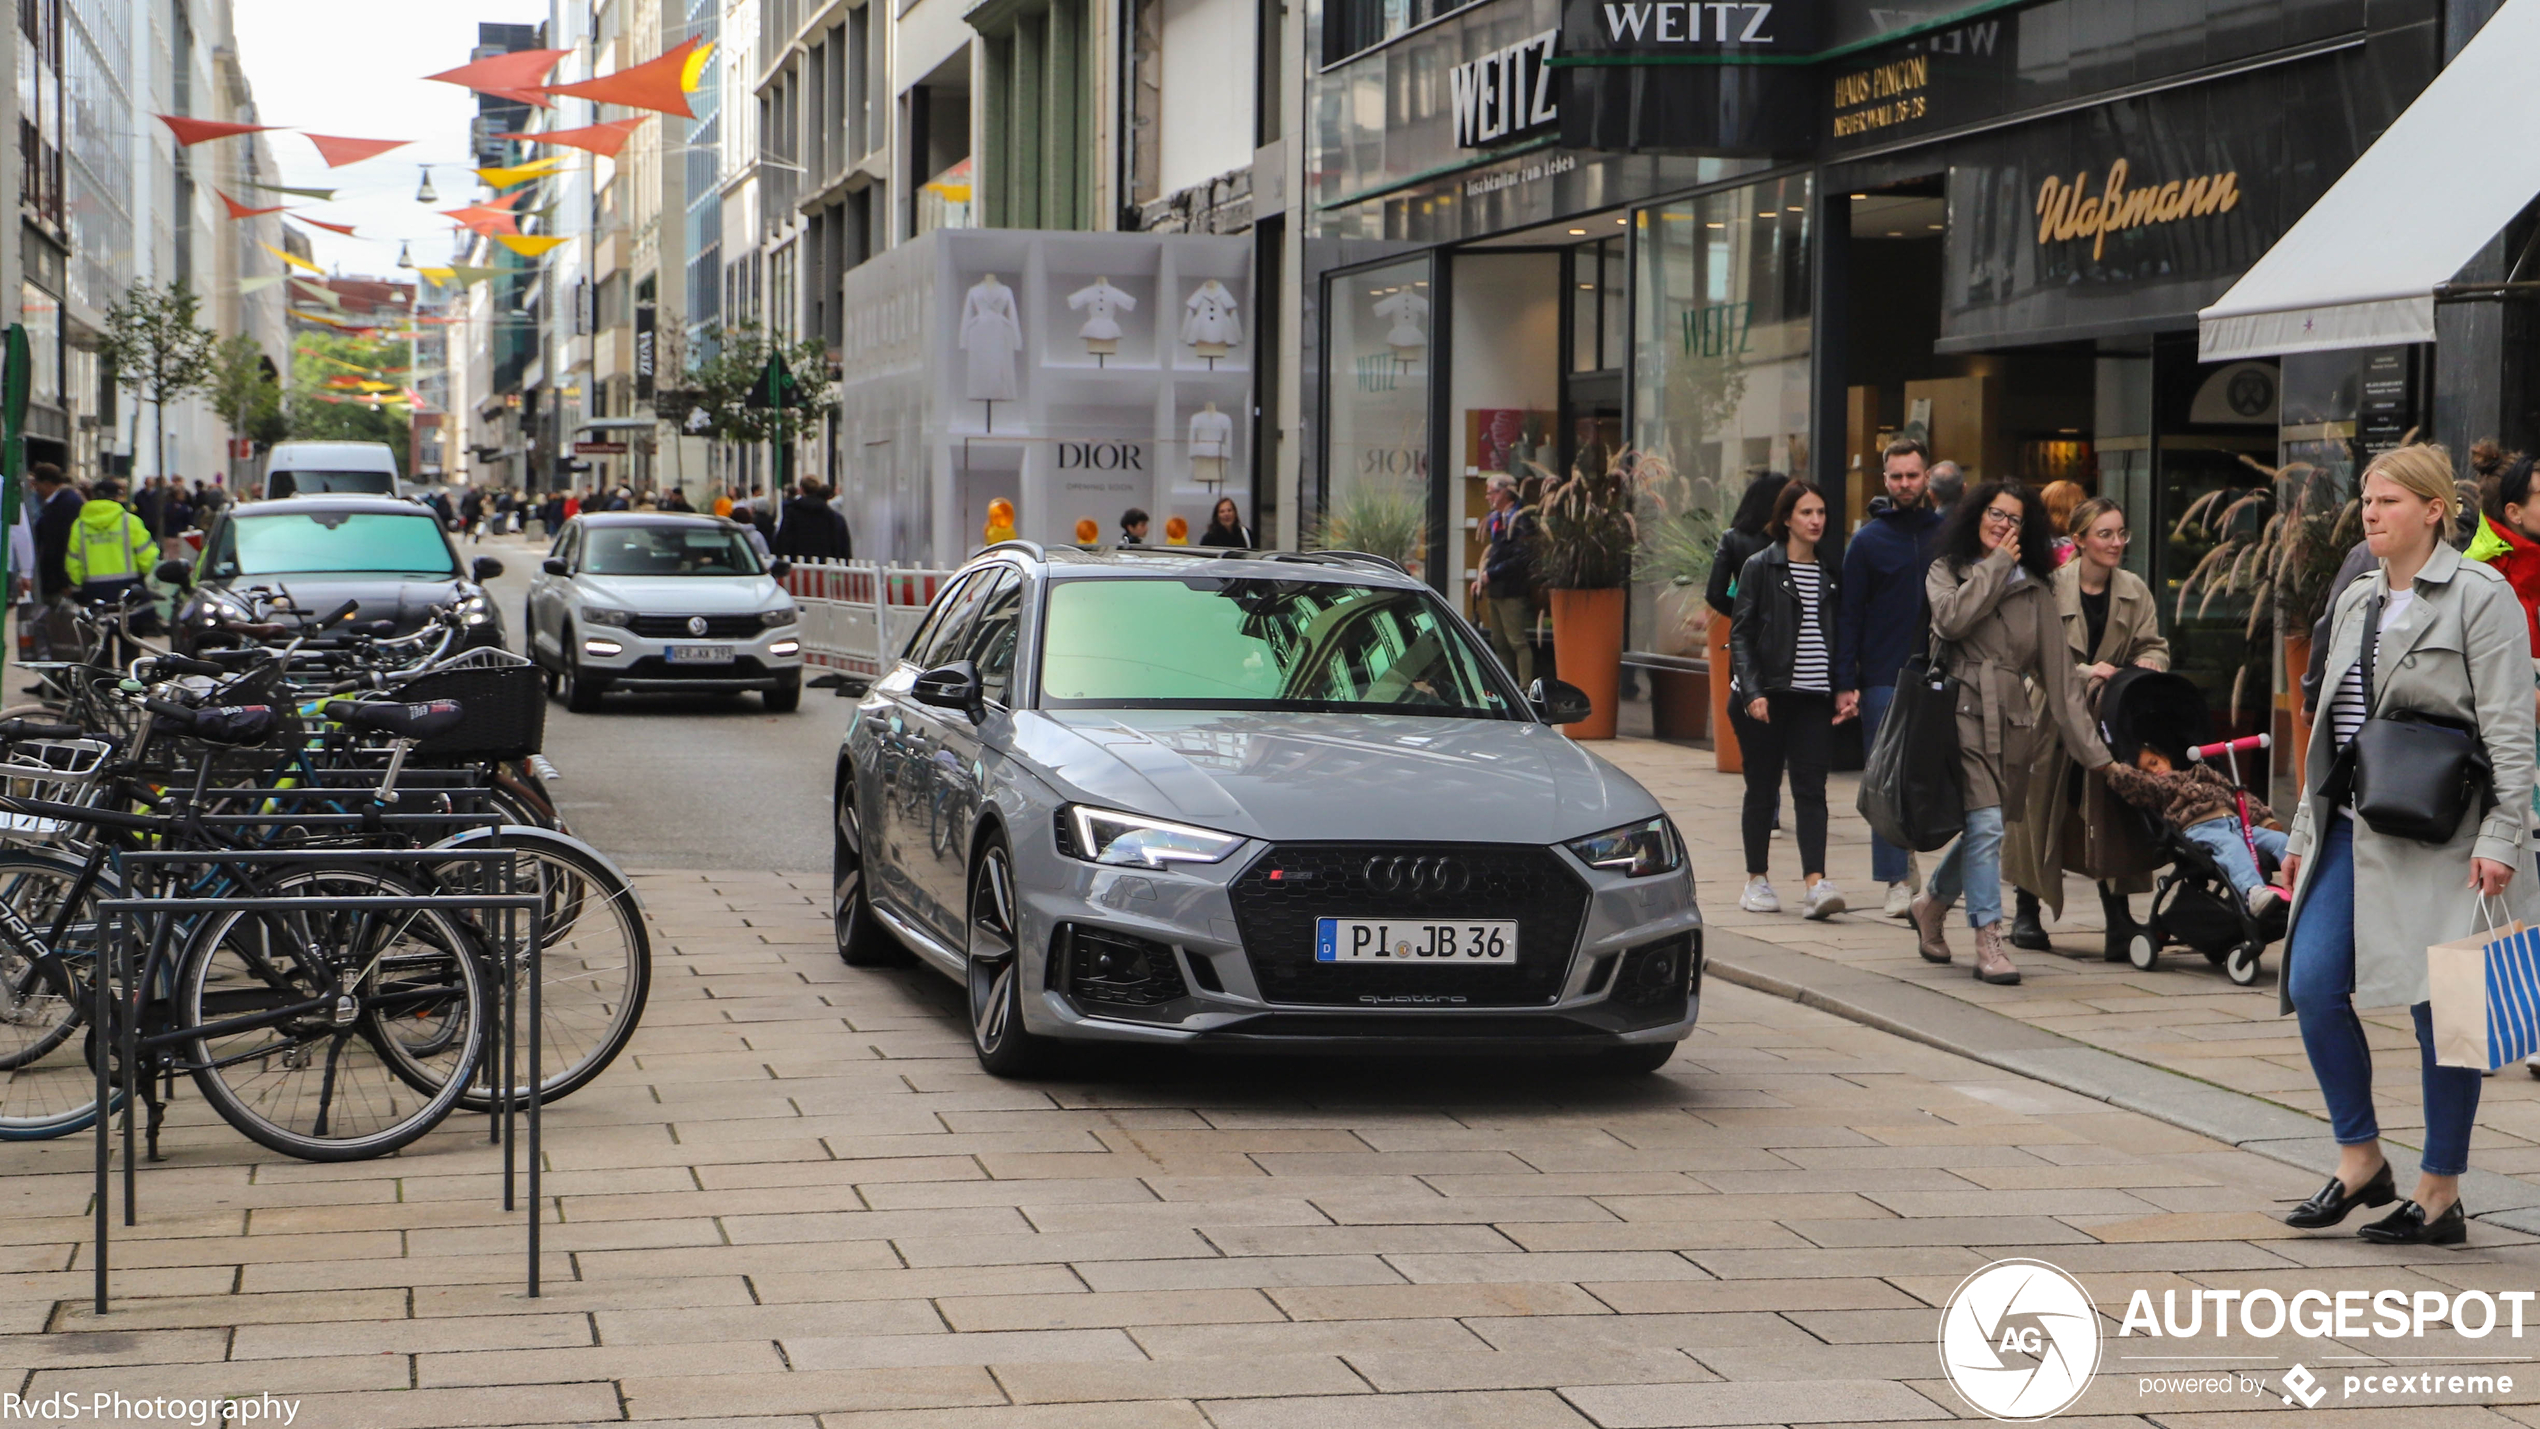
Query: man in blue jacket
(1882, 605)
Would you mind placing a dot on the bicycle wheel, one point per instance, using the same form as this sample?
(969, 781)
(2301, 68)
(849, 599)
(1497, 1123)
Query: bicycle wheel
(37, 1012)
(597, 962)
(332, 1034)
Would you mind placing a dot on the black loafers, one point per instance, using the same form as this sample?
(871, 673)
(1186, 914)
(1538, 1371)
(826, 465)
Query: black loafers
(2333, 1204)
(2408, 1226)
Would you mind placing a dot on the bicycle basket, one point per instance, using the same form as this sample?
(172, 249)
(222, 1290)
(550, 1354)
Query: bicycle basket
(505, 710)
(58, 771)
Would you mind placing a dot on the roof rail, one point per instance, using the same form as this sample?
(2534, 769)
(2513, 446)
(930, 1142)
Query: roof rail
(1029, 548)
(1332, 558)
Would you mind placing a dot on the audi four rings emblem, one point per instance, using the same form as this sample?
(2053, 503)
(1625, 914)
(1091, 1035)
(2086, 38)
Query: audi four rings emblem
(696, 625)
(1403, 873)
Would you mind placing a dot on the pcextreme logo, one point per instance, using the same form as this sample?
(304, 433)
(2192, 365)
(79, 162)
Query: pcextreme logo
(2019, 1340)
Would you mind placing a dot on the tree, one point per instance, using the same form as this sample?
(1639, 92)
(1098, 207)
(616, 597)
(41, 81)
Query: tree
(159, 351)
(246, 393)
(324, 413)
(725, 397)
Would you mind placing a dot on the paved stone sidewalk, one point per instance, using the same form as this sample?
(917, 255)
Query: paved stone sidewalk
(2183, 1015)
(798, 1202)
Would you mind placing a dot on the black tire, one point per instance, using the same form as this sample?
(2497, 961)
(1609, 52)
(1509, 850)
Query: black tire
(995, 981)
(862, 940)
(40, 1019)
(1636, 1061)
(581, 693)
(786, 698)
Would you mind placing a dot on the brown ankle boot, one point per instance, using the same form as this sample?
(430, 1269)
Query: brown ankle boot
(1993, 957)
(1931, 922)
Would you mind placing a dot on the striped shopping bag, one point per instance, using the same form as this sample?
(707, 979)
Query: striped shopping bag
(2486, 994)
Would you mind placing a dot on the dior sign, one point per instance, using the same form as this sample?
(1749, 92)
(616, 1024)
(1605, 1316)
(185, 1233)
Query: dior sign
(1506, 94)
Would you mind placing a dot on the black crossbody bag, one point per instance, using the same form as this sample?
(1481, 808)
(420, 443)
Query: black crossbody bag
(2408, 774)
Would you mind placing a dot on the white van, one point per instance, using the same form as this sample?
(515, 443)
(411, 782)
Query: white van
(331, 468)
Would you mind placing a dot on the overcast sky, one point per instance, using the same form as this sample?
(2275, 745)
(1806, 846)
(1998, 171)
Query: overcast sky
(323, 65)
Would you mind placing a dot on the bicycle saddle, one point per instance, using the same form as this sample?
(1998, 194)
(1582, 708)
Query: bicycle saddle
(231, 724)
(403, 721)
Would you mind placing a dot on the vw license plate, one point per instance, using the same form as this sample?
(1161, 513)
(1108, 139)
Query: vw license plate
(701, 654)
(1484, 942)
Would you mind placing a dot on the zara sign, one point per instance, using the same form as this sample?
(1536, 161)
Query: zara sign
(1506, 94)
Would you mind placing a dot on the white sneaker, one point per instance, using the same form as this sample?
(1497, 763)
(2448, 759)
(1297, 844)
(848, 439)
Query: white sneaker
(1759, 897)
(2264, 900)
(1824, 901)
(1900, 900)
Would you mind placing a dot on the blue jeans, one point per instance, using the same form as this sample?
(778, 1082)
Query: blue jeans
(2320, 974)
(1973, 866)
(1887, 861)
(2221, 838)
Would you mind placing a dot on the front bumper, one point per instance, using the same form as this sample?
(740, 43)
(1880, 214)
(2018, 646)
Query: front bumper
(765, 661)
(1196, 986)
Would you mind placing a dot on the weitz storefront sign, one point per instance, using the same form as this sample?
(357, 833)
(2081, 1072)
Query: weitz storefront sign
(1506, 94)
(2066, 208)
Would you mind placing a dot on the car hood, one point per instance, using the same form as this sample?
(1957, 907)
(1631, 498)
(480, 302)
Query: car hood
(407, 602)
(680, 595)
(1332, 776)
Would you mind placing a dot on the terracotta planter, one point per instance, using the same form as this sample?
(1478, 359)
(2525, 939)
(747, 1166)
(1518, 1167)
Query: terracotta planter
(1724, 751)
(1587, 649)
(1679, 704)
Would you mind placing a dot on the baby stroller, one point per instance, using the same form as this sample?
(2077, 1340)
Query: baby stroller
(2193, 902)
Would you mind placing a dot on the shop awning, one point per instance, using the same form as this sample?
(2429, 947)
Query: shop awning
(2360, 269)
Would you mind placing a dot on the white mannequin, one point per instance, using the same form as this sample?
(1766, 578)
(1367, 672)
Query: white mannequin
(1212, 326)
(1407, 310)
(1101, 303)
(990, 335)
(1212, 441)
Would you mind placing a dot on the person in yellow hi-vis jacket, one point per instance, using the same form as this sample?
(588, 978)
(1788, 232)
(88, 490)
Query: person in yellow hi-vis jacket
(110, 551)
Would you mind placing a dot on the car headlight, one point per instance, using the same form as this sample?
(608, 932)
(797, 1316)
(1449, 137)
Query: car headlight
(475, 609)
(1108, 836)
(781, 615)
(1634, 850)
(603, 615)
(219, 606)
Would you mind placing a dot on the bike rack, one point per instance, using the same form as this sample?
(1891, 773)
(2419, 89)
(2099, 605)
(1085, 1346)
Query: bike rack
(125, 920)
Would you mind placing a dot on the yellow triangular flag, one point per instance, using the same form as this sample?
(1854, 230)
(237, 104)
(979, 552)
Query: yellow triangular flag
(439, 275)
(294, 259)
(503, 178)
(529, 245)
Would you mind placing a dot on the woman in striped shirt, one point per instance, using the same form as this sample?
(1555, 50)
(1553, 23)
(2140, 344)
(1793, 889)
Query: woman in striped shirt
(1782, 702)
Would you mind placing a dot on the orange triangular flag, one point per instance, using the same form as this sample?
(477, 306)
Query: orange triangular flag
(343, 228)
(240, 210)
(507, 76)
(657, 84)
(503, 200)
(602, 139)
(479, 219)
(339, 151)
(189, 132)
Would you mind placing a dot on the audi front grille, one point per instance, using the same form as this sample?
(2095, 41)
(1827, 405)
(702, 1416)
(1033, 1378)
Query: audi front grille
(1278, 898)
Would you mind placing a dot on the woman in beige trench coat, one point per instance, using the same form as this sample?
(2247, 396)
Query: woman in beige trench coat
(2123, 629)
(2454, 645)
(1994, 627)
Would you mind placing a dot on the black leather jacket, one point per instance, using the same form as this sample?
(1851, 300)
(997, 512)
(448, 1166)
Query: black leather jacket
(1764, 629)
(1735, 547)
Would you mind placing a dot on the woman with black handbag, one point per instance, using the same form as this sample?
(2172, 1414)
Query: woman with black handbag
(1994, 625)
(2416, 788)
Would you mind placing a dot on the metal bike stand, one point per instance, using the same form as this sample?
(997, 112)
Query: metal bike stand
(125, 918)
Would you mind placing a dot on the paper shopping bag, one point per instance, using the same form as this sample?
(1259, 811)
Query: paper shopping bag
(2486, 994)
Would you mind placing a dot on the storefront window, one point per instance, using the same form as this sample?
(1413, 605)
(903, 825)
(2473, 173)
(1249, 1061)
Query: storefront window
(1719, 381)
(1376, 474)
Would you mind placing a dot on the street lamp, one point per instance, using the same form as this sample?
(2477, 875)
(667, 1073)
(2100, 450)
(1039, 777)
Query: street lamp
(424, 193)
(405, 258)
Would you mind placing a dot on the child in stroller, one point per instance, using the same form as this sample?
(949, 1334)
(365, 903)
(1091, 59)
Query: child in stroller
(2223, 845)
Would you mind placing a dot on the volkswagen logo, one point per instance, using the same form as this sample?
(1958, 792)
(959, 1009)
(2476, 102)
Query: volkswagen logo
(1406, 873)
(696, 625)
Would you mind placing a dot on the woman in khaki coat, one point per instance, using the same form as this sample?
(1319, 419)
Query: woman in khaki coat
(2453, 645)
(1994, 626)
(2110, 622)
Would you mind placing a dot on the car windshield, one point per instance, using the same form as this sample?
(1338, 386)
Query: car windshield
(1211, 642)
(352, 542)
(667, 550)
(341, 483)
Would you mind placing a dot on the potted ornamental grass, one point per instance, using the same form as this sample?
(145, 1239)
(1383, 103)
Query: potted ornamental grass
(1586, 544)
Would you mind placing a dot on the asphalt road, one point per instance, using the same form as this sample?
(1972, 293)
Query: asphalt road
(685, 782)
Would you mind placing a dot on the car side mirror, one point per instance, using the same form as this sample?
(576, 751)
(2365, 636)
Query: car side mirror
(780, 568)
(176, 573)
(951, 687)
(553, 565)
(485, 569)
(1559, 702)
